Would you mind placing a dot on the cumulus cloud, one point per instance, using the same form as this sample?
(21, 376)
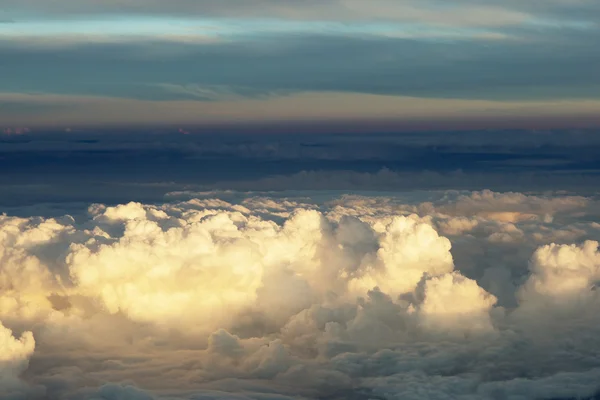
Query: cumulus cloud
(280, 298)
(14, 359)
(564, 271)
(455, 302)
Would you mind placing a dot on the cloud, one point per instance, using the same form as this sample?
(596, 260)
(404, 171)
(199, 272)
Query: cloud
(529, 64)
(391, 180)
(565, 271)
(459, 12)
(456, 303)
(344, 111)
(14, 359)
(468, 67)
(512, 207)
(532, 59)
(408, 250)
(120, 392)
(234, 296)
(293, 10)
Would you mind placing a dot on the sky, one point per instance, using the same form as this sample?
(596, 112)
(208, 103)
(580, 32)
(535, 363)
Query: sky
(415, 63)
(299, 200)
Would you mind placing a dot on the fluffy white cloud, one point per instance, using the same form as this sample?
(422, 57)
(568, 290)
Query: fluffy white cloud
(14, 359)
(456, 303)
(564, 272)
(359, 297)
(209, 261)
(408, 249)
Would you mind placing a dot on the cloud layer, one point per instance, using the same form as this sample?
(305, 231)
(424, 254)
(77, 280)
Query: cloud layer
(477, 295)
(106, 57)
(431, 11)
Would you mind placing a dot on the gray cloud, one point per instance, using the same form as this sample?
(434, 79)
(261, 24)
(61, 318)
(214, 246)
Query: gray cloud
(143, 164)
(490, 12)
(550, 65)
(549, 54)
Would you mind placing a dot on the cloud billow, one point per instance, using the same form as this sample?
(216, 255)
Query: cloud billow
(355, 297)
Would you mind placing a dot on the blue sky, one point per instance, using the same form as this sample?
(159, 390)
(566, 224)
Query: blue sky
(209, 61)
